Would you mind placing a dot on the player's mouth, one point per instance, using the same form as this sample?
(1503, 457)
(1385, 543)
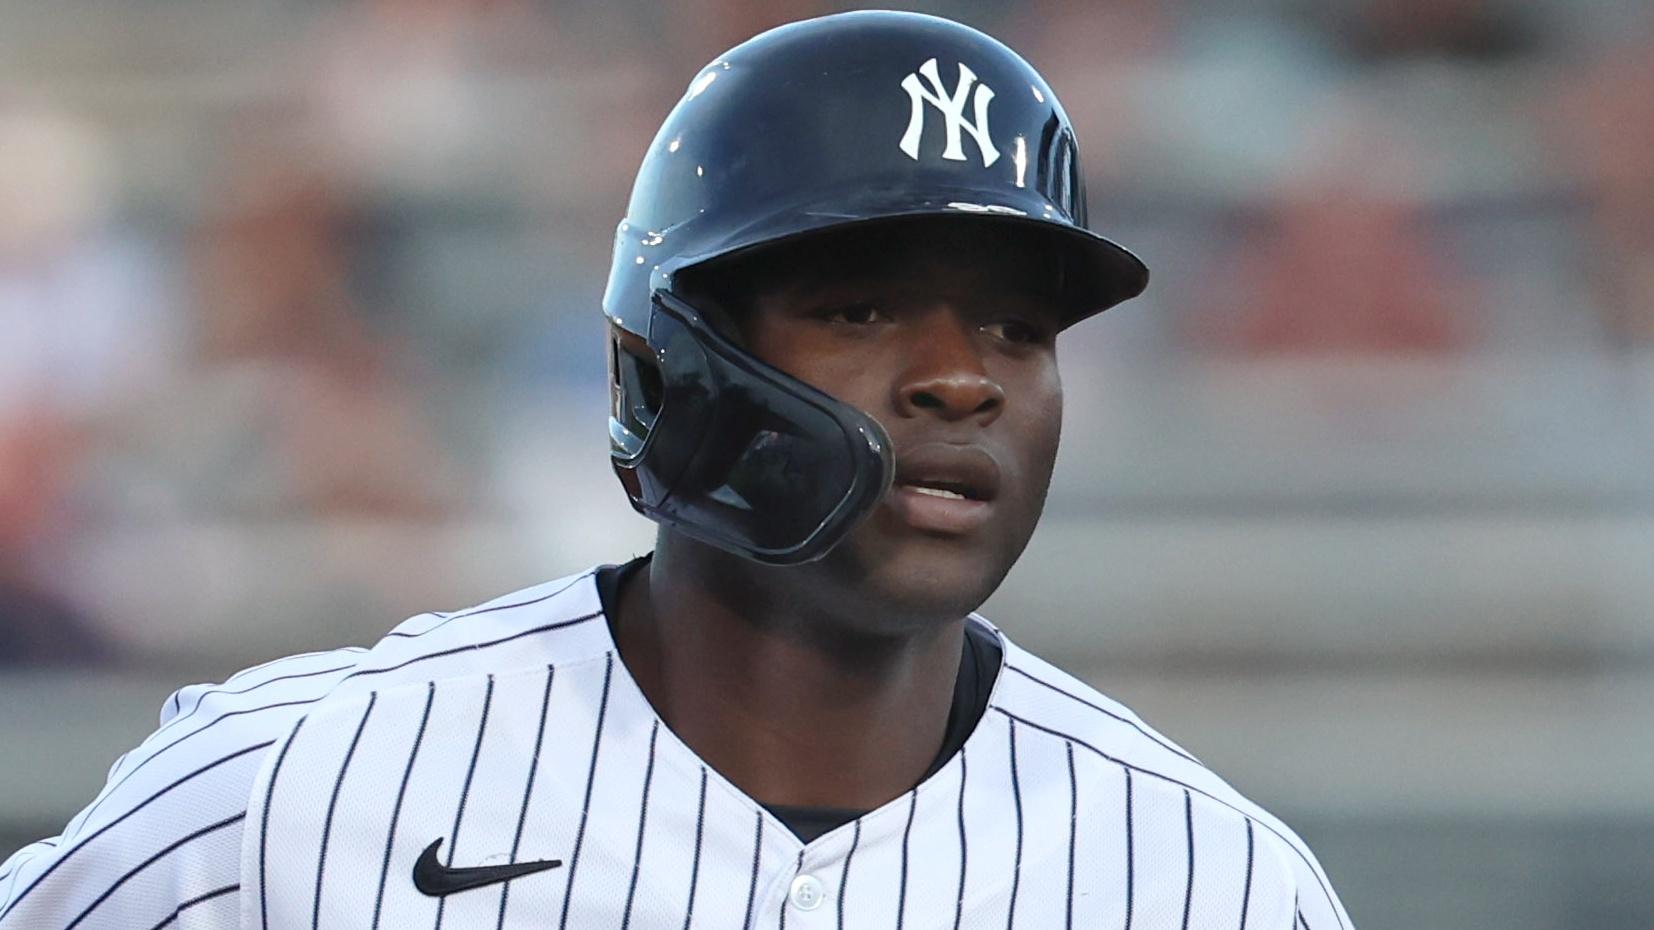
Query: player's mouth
(945, 488)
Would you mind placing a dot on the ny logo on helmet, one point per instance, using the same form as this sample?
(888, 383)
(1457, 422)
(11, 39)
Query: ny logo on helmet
(953, 112)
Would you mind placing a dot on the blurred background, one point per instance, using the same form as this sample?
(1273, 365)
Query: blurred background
(299, 335)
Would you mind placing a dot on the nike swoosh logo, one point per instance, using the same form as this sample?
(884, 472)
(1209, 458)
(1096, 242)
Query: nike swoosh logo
(435, 879)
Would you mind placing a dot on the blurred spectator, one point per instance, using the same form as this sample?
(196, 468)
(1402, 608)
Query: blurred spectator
(1073, 36)
(1343, 264)
(38, 623)
(319, 418)
(699, 30)
(1469, 30)
(1604, 125)
(290, 432)
(440, 98)
(471, 132)
(1335, 272)
(83, 327)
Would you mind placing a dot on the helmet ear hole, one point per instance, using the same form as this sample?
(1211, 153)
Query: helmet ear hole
(649, 384)
(634, 371)
(637, 392)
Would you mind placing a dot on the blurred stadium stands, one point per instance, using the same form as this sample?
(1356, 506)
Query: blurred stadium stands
(299, 335)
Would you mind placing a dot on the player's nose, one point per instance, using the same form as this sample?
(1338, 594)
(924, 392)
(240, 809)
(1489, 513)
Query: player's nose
(945, 377)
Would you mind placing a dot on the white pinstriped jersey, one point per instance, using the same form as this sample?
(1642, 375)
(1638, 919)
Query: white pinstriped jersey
(300, 793)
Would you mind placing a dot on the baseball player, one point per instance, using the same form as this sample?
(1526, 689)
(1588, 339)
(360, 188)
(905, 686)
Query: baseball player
(832, 312)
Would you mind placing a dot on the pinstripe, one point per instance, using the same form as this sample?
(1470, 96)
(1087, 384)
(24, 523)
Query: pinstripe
(159, 854)
(907, 831)
(844, 874)
(247, 690)
(356, 674)
(1073, 819)
(1181, 784)
(695, 865)
(1016, 797)
(1131, 852)
(465, 790)
(445, 619)
(110, 791)
(586, 805)
(401, 792)
(283, 660)
(472, 647)
(752, 884)
(1246, 893)
(264, 826)
(1162, 743)
(118, 820)
(642, 823)
(198, 899)
(23, 857)
(959, 905)
(15, 871)
(180, 714)
(798, 867)
(332, 805)
(528, 790)
(1189, 824)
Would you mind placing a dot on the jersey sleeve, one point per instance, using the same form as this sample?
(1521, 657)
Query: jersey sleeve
(160, 845)
(142, 859)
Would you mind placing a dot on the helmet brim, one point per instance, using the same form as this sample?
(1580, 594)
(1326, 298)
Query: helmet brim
(1097, 273)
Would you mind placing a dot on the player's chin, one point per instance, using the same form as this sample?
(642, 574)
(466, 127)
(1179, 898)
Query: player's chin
(935, 571)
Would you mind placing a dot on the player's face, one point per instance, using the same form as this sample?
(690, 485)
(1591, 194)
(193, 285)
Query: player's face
(947, 339)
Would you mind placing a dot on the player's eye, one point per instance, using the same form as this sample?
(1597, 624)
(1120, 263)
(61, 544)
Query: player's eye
(1017, 331)
(861, 313)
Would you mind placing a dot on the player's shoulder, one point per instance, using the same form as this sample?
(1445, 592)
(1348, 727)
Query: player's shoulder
(1035, 693)
(1039, 699)
(172, 808)
(558, 621)
(555, 621)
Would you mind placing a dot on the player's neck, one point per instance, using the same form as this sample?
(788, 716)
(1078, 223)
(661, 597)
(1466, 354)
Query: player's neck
(796, 714)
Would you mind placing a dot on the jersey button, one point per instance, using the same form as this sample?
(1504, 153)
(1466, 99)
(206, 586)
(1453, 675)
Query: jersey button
(807, 892)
